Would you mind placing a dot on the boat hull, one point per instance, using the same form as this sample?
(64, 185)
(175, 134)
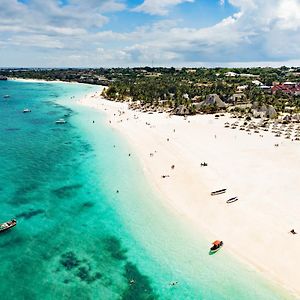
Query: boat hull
(11, 225)
(231, 200)
(214, 251)
(218, 192)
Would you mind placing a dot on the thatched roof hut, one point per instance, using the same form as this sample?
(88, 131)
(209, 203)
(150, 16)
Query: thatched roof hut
(213, 99)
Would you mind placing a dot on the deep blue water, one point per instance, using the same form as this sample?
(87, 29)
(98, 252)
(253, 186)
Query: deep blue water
(77, 238)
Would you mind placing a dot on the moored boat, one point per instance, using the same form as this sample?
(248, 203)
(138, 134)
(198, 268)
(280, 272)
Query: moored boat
(217, 245)
(7, 225)
(61, 121)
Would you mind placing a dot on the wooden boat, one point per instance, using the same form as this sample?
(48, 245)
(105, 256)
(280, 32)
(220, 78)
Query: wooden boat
(218, 192)
(217, 245)
(7, 225)
(233, 199)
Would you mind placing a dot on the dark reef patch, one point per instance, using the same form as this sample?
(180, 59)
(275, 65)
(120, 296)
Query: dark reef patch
(84, 273)
(69, 260)
(31, 213)
(113, 246)
(67, 190)
(79, 268)
(66, 281)
(139, 287)
(86, 147)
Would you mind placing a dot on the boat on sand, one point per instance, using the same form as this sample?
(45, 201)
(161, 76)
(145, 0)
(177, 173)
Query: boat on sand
(218, 192)
(233, 199)
(217, 245)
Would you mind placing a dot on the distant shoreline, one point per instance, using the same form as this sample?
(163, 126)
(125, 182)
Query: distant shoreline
(32, 80)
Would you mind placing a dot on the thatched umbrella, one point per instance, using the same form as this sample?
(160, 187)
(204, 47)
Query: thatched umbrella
(181, 110)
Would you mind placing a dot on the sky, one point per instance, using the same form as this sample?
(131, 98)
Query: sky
(127, 33)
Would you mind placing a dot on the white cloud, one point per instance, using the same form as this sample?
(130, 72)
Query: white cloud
(158, 7)
(262, 30)
(41, 41)
(288, 15)
(266, 30)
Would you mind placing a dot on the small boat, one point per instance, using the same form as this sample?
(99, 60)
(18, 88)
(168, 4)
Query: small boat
(61, 121)
(6, 96)
(233, 199)
(222, 191)
(26, 110)
(217, 245)
(7, 225)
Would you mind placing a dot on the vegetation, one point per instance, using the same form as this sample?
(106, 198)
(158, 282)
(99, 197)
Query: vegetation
(170, 88)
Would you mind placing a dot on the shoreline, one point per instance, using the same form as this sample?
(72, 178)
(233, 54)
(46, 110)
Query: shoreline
(48, 81)
(260, 227)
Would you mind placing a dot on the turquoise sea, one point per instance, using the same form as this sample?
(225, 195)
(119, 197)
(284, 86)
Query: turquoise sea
(77, 237)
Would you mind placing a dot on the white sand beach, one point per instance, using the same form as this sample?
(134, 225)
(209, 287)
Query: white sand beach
(42, 80)
(256, 228)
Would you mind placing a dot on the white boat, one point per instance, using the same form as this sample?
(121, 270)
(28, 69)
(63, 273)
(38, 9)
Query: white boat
(61, 121)
(26, 110)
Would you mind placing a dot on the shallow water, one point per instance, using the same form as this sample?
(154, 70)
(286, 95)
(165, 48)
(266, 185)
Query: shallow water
(77, 238)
